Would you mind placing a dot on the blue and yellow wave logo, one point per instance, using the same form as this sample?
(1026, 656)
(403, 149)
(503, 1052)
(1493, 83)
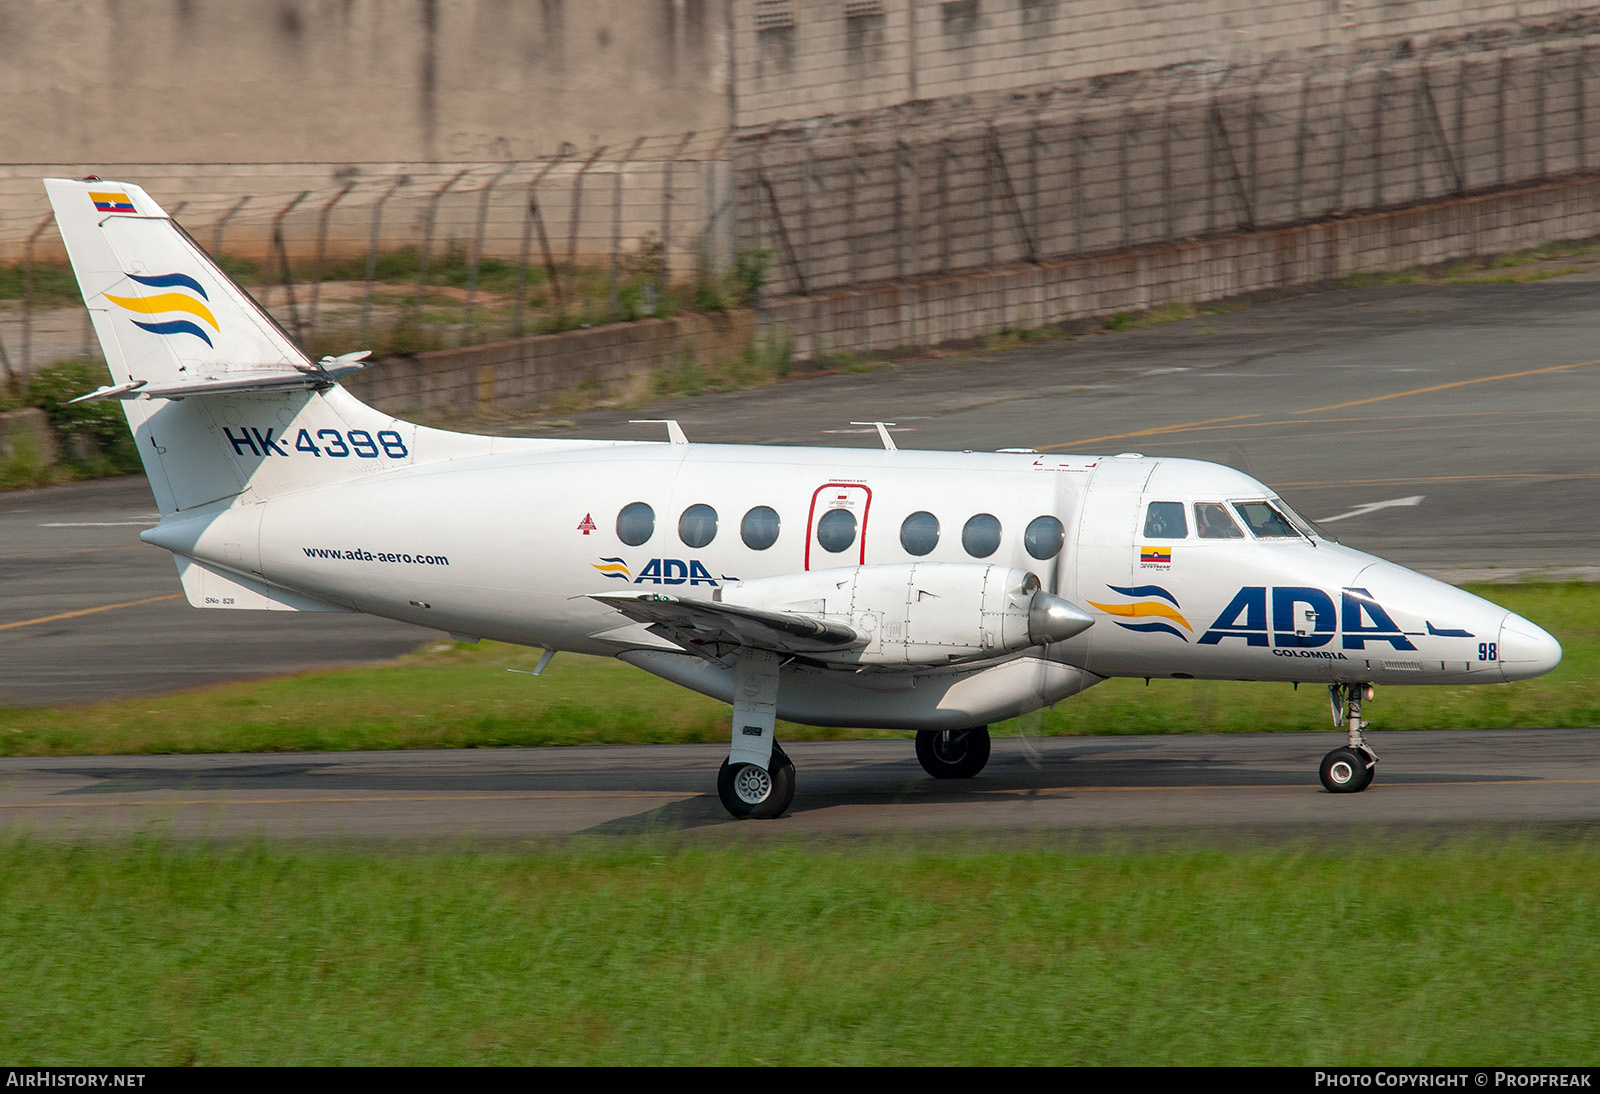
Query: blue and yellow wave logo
(1150, 604)
(614, 567)
(165, 303)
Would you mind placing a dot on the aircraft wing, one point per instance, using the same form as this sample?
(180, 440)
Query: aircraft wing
(702, 626)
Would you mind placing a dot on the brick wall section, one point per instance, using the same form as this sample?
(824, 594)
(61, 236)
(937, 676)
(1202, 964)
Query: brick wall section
(609, 364)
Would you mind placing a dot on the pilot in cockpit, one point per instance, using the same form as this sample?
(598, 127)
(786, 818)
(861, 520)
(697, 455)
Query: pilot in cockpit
(1213, 521)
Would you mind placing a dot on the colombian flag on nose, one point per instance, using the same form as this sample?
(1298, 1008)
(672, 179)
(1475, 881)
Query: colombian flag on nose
(111, 201)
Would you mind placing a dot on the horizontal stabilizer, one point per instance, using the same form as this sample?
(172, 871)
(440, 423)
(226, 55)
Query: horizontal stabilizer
(701, 626)
(300, 377)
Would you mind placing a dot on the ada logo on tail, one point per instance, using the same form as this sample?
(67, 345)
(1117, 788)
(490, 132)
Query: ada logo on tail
(167, 302)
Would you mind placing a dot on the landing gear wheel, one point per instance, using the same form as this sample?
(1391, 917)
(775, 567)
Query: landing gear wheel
(953, 753)
(749, 793)
(1346, 771)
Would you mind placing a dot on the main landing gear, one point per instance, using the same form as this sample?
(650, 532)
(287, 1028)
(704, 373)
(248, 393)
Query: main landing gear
(751, 792)
(757, 779)
(1349, 769)
(953, 753)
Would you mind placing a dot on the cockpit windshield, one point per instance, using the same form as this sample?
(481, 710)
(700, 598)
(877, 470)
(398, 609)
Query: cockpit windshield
(1266, 520)
(1306, 528)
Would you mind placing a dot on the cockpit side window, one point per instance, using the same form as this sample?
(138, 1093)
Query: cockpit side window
(1212, 521)
(1165, 520)
(1265, 521)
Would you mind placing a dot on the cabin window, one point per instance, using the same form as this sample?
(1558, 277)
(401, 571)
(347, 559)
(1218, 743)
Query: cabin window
(1165, 520)
(919, 533)
(981, 536)
(698, 525)
(1043, 537)
(636, 523)
(836, 530)
(1265, 521)
(759, 529)
(1212, 521)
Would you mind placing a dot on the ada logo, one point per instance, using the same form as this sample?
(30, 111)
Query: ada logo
(1303, 619)
(1359, 620)
(659, 571)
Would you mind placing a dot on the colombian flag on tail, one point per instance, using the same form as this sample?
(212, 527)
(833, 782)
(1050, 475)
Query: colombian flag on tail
(111, 201)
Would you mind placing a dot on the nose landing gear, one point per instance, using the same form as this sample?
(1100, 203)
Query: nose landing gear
(1349, 769)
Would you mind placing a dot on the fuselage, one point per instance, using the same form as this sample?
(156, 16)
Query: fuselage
(511, 546)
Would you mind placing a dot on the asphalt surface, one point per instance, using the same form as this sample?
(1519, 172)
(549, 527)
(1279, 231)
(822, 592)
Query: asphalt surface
(89, 611)
(1452, 429)
(1050, 789)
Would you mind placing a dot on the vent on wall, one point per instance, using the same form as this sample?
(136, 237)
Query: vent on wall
(862, 9)
(774, 14)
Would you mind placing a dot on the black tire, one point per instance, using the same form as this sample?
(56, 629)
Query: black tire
(1346, 771)
(741, 786)
(953, 753)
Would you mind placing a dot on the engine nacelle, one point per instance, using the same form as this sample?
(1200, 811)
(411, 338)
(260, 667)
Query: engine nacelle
(921, 613)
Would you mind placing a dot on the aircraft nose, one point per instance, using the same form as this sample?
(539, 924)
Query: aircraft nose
(1526, 649)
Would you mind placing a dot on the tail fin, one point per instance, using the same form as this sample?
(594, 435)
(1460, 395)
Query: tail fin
(221, 400)
(165, 312)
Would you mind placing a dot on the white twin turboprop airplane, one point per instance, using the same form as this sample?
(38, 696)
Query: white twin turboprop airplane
(927, 591)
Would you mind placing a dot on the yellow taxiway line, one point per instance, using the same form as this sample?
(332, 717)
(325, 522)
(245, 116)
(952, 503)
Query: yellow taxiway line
(87, 611)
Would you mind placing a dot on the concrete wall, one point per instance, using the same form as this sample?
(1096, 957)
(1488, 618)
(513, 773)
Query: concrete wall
(94, 82)
(805, 58)
(606, 364)
(210, 103)
(352, 81)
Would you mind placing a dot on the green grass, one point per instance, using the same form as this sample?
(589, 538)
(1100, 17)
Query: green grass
(142, 953)
(452, 695)
(53, 284)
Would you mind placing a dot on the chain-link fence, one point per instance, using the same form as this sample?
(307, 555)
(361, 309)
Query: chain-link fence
(413, 258)
(404, 258)
(930, 189)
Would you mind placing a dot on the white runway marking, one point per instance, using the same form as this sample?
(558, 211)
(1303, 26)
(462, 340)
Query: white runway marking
(1372, 507)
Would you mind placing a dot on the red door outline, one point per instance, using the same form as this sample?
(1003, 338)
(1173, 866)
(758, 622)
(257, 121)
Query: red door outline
(811, 517)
